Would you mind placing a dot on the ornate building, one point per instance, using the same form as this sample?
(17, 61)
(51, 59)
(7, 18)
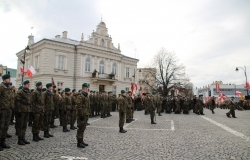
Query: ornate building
(70, 62)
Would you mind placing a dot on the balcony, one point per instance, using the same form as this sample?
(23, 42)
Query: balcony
(98, 78)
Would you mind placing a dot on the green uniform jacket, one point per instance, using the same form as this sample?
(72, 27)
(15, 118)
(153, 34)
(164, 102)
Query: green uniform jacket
(122, 104)
(68, 101)
(74, 102)
(149, 104)
(83, 104)
(6, 97)
(23, 101)
(48, 101)
(38, 102)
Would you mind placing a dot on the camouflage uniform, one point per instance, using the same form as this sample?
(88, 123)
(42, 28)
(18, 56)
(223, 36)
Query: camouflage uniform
(22, 109)
(185, 106)
(91, 98)
(159, 104)
(73, 112)
(177, 106)
(83, 112)
(38, 113)
(55, 109)
(6, 101)
(122, 109)
(67, 112)
(48, 108)
(129, 109)
(150, 106)
(102, 105)
(232, 109)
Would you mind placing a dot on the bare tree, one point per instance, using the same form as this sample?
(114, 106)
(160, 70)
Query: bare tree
(169, 74)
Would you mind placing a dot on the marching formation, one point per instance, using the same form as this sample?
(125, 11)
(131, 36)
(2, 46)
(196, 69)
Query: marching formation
(40, 107)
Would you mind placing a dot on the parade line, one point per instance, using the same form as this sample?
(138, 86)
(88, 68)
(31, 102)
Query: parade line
(230, 130)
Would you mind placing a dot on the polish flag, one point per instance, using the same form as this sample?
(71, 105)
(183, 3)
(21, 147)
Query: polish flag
(247, 85)
(21, 70)
(238, 93)
(31, 71)
(222, 97)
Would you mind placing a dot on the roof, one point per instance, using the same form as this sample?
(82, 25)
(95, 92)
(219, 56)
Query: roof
(66, 40)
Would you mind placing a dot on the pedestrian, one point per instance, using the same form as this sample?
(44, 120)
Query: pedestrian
(83, 112)
(6, 100)
(38, 111)
(122, 107)
(22, 110)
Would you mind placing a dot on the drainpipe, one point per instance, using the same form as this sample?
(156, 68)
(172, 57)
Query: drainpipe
(74, 76)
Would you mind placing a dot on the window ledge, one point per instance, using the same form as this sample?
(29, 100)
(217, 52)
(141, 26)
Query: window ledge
(56, 70)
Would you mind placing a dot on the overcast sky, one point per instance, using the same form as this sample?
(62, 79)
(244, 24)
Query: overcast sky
(210, 37)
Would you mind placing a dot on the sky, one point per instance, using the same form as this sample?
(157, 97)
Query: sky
(210, 37)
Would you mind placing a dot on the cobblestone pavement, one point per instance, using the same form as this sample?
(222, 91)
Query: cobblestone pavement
(182, 137)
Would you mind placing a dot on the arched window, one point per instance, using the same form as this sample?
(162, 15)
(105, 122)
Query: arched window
(102, 43)
(114, 68)
(87, 65)
(101, 67)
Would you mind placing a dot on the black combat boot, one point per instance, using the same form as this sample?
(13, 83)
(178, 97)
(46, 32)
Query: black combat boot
(1, 149)
(72, 127)
(159, 114)
(121, 130)
(38, 137)
(152, 121)
(234, 116)
(124, 130)
(128, 121)
(64, 129)
(35, 138)
(85, 144)
(30, 124)
(25, 141)
(46, 134)
(202, 113)
(8, 135)
(213, 111)
(3, 144)
(20, 141)
(50, 135)
(79, 143)
(228, 115)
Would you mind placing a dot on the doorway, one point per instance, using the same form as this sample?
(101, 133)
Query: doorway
(101, 88)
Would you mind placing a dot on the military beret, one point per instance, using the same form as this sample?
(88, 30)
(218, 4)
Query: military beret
(122, 91)
(201, 95)
(26, 82)
(6, 76)
(38, 84)
(21, 87)
(59, 89)
(73, 90)
(85, 85)
(232, 97)
(49, 85)
(79, 91)
(54, 86)
(44, 89)
(66, 89)
(31, 90)
(91, 91)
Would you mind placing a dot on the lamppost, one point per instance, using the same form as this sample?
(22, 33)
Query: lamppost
(244, 69)
(26, 50)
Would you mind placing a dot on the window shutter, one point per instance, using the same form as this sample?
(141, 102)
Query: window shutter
(57, 59)
(65, 63)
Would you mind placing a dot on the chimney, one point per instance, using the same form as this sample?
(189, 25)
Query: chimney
(31, 40)
(82, 38)
(64, 34)
(57, 36)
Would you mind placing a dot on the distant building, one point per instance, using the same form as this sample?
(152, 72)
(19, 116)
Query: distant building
(95, 61)
(6, 70)
(228, 89)
(147, 79)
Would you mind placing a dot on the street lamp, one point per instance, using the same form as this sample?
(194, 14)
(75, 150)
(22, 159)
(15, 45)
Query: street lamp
(244, 69)
(135, 72)
(26, 50)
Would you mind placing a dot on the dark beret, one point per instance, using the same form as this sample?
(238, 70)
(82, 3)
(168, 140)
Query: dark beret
(48, 85)
(21, 87)
(54, 86)
(73, 90)
(122, 91)
(66, 89)
(6, 76)
(38, 84)
(44, 89)
(26, 82)
(31, 90)
(85, 85)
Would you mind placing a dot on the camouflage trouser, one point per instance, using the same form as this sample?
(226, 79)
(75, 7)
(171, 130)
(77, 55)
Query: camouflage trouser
(201, 108)
(5, 116)
(53, 117)
(121, 119)
(22, 119)
(47, 120)
(72, 117)
(102, 109)
(56, 111)
(152, 114)
(232, 111)
(212, 107)
(81, 125)
(65, 117)
(128, 114)
(92, 109)
(37, 122)
(97, 108)
(159, 108)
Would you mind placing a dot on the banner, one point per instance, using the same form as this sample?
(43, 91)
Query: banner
(217, 87)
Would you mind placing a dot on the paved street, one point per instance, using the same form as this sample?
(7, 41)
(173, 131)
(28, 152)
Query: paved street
(213, 136)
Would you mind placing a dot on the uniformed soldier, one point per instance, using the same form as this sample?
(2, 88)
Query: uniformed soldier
(185, 106)
(150, 106)
(139, 103)
(22, 109)
(73, 111)
(91, 99)
(31, 113)
(177, 105)
(122, 107)
(62, 108)
(232, 108)
(199, 105)
(67, 110)
(83, 112)
(194, 104)
(55, 107)
(129, 108)
(6, 99)
(38, 111)
(159, 104)
(212, 106)
(110, 100)
(48, 108)
(12, 107)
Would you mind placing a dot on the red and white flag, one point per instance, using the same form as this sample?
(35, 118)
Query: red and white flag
(247, 85)
(217, 87)
(238, 93)
(222, 97)
(31, 71)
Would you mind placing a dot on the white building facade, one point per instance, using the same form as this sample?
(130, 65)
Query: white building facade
(71, 63)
